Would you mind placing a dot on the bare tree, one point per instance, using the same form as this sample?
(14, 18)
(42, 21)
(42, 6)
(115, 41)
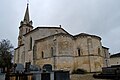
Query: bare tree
(6, 50)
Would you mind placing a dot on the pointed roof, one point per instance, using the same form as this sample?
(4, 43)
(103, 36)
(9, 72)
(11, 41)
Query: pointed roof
(26, 20)
(26, 17)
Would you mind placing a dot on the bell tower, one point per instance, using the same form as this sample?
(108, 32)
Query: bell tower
(25, 26)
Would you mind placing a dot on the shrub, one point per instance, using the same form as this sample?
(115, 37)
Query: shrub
(79, 71)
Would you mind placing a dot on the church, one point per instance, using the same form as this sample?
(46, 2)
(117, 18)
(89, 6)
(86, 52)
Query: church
(55, 46)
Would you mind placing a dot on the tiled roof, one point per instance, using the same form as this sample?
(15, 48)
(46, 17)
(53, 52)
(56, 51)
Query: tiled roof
(115, 55)
(85, 34)
(37, 28)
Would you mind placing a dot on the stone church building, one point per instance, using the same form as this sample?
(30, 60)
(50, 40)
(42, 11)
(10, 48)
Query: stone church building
(55, 46)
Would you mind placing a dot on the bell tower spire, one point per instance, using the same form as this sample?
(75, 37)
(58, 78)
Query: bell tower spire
(26, 17)
(25, 26)
(26, 20)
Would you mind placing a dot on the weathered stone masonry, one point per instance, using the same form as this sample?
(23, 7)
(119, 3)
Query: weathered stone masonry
(55, 46)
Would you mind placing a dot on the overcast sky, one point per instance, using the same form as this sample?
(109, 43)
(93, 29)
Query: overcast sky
(98, 17)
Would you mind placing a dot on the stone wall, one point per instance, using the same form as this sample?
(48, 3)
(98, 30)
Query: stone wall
(35, 34)
(62, 51)
(39, 33)
(115, 61)
(55, 50)
(19, 55)
(90, 57)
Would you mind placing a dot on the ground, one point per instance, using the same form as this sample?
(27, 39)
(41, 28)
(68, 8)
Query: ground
(83, 77)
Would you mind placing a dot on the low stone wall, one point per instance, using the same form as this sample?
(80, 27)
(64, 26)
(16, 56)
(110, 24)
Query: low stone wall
(83, 77)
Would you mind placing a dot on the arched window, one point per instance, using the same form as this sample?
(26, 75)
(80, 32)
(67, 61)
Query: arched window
(51, 51)
(79, 54)
(42, 54)
(105, 53)
(29, 30)
(98, 51)
(26, 30)
(30, 43)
